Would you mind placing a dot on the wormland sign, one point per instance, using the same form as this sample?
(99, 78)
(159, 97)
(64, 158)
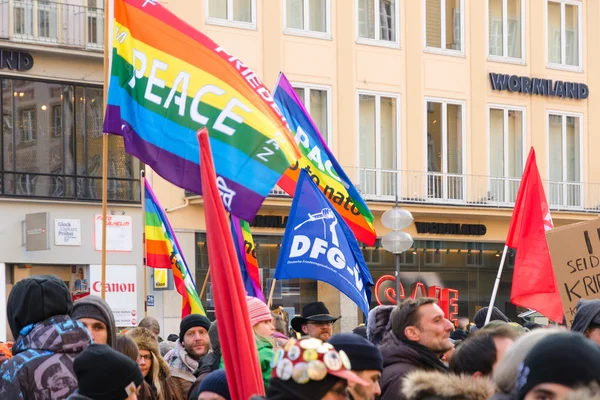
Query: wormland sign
(542, 87)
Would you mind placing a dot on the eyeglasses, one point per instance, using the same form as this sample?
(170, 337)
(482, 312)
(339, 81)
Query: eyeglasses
(147, 357)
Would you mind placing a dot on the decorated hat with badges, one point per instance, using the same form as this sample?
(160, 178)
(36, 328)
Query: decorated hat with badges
(311, 360)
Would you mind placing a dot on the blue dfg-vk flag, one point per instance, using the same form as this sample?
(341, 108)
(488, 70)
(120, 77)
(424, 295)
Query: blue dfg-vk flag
(319, 245)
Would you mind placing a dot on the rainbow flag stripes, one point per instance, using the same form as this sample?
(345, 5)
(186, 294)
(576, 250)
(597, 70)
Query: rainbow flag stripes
(246, 250)
(321, 164)
(167, 81)
(163, 251)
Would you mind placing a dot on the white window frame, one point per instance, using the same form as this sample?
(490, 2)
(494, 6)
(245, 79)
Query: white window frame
(505, 57)
(229, 21)
(377, 42)
(378, 96)
(564, 116)
(444, 51)
(307, 88)
(563, 46)
(306, 23)
(505, 108)
(445, 102)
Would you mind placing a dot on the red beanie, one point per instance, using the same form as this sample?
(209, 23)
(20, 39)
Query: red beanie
(258, 311)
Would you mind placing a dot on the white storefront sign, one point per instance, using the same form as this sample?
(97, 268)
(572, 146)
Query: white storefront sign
(119, 233)
(121, 291)
(67, 232)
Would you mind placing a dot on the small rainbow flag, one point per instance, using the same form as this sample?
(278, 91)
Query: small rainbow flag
(163, 251)
(167, 81)
(246, 250)
(321, 164)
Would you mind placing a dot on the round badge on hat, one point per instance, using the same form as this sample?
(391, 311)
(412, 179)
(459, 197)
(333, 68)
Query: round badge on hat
(345, 360)
(325, 347)
(276, 358)
(294, 353)
(289, 344)
(317, 370)
(311, 343)
(332, 361)
(310, 355)
(284, 369)
(300, 373)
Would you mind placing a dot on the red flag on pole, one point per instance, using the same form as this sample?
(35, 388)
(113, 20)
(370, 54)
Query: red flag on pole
(235, 332)
(534, 284)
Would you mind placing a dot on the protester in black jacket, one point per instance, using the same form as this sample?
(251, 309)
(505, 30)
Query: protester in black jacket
(587, 319)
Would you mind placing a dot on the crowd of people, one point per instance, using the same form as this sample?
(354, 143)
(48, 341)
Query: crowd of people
(66, 350)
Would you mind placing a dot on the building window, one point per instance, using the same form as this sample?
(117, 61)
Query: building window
(233, 12)
(506, 28)
(307, 17)
(564, 33)
(445, 150)
(378, 129)
(52, 144)
(444, 25)
(564, 152)
(317, 103)
(507, 135)
(378, 21)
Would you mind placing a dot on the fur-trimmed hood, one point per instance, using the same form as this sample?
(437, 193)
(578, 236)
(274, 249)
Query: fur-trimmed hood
(379, 323)
(429, 385)
(590, 392)
(147, 340)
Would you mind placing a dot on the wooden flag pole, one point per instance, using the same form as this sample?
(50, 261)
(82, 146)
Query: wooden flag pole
(271, 293)
(143, 198)
(204, 284)
(105, 150)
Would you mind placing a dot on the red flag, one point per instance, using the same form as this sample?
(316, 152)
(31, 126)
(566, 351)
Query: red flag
(235, 332)
(534, 284)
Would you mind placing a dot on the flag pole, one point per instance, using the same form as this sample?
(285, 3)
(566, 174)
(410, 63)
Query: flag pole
(143, 198)
(496, 284)
(271, 293)
(204, 284)
(105, 150)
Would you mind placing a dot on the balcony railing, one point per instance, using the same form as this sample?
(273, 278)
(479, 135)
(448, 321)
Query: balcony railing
(53, 23)
(464, 190)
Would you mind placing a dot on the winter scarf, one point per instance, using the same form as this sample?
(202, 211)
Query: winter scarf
(429, 360)
(181, 364)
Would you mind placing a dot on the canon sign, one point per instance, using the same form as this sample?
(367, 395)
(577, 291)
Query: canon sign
(114, 287)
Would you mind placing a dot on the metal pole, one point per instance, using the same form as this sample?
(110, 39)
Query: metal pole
(496, 284)
(397, 258)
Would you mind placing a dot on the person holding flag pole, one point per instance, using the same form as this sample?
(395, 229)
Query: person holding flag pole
(534, 284)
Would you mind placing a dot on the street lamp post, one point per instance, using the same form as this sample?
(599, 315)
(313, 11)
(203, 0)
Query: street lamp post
(397, 241)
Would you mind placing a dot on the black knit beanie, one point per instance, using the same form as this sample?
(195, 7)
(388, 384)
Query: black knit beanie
(363, 354)
(481, 315)
(215, 382)
(36, 299)
(191, 321)
(290, 390)
(567, 359)
(105, 374)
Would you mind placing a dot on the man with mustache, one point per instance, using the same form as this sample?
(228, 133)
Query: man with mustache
(315, 321)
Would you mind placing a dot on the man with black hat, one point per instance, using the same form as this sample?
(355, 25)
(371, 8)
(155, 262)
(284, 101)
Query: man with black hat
(96, 315)
(587, 319)
(192, 345)
(48, 341)
(366, 362)
(105, 374)
(315, 321)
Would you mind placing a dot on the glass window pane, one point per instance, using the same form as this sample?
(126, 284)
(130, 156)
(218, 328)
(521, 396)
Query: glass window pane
(495, 28)
(497, 142)
(8, 122)
(217, 9)
(389, 133)
(453, 25)
(554, 37)
(514, 28)
(300, 93)
(434, 137)
(515, 143)
(367, 131)
(295, 14)
(573, 151)
(571, 35)
(366, 18)
(318, 15)
(318, 111)
(434, 23)
(454, 127)
(555, 148)
(387, 20)
(242, 10)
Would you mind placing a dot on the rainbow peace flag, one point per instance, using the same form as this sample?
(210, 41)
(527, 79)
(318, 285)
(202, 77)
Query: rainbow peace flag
(168, 81)
(246, 251)
(321, 164)
(163, 251)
